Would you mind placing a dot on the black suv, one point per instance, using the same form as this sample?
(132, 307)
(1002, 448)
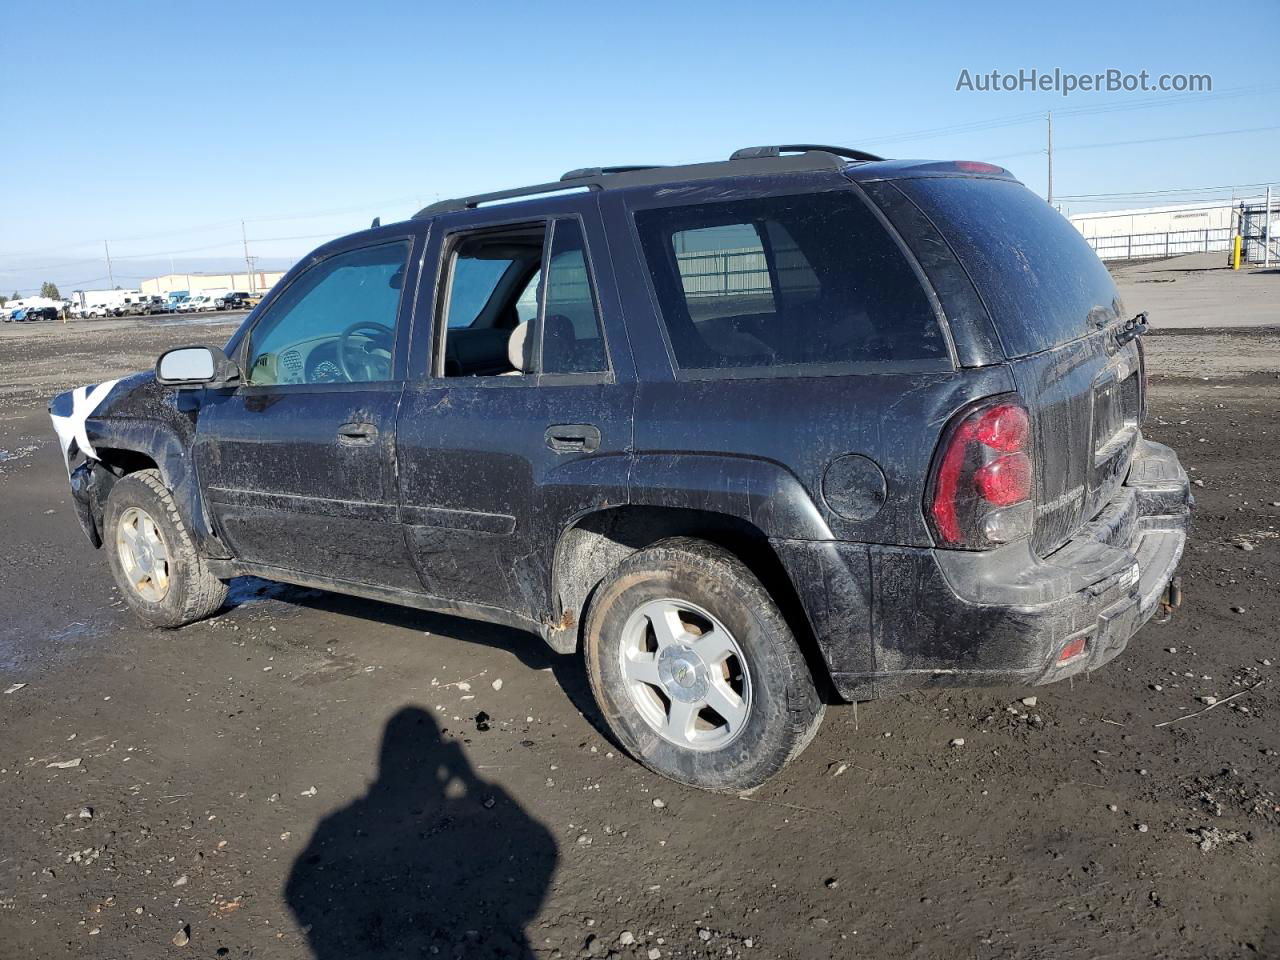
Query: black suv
(232, 301)
(753, 435)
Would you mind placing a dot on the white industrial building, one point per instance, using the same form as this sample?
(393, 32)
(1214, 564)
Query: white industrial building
(260, 281)
(1169, 231)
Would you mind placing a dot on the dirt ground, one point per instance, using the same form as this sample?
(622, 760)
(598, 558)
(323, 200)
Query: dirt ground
(309, 776)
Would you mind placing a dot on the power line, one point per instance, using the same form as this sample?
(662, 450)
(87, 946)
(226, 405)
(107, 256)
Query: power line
(1130, 143)
(975, 126)
(1153, 193)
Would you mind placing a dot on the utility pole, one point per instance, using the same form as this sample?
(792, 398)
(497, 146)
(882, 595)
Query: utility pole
(1050, 118)
(111, 277)
(248, 261)
(1267, 239)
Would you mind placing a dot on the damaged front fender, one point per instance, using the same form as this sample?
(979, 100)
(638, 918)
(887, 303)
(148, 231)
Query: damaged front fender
(119, 426)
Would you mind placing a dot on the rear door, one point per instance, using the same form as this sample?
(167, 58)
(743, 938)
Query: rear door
(296, 463)
(496, 457)
(1057, 313)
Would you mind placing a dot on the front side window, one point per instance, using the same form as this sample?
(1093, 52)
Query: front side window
(811, 279)
(336, 323)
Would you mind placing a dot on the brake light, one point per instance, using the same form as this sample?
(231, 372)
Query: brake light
(1073, 649)
(983, 480)
(977, 166)
(1005, 481)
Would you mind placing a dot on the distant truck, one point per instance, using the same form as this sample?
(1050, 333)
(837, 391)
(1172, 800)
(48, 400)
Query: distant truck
(235, 300)
(176, 298)
(97, 304)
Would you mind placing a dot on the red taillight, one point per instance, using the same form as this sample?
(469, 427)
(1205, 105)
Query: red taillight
(983, 478)
(1006, 480)
(977, 166)
(1073, 649)
(1004, 427)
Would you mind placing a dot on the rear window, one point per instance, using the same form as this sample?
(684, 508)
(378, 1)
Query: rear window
(785, 281)
(1041, 282)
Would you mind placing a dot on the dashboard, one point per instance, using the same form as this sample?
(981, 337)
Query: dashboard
(316, 361)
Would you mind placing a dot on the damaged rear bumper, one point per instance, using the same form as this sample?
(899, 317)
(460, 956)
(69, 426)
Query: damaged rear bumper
(959, 618)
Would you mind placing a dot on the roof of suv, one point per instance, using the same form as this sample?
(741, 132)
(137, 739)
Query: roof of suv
(767, 160)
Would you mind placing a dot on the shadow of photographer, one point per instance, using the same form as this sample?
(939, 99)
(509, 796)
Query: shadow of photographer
(431, 861)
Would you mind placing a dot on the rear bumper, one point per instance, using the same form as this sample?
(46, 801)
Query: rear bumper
(959, 618)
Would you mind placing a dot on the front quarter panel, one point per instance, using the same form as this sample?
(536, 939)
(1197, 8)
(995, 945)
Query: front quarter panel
(135, 416)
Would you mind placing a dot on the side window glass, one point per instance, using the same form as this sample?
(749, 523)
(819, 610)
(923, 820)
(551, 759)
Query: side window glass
(527, 305)
(785, 282)
(723, 271)
(335, 324)
(572, 340)
(472, 287)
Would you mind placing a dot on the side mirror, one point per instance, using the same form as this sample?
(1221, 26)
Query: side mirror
(196, 367)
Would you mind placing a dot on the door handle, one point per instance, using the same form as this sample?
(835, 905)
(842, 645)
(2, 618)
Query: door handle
(356, 433)
(573, 438)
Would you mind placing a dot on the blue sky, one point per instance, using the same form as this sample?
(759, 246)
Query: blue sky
(160, 126)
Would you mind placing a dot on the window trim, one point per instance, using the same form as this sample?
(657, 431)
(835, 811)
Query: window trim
(947, 364)
(450, 239)
(403, 324)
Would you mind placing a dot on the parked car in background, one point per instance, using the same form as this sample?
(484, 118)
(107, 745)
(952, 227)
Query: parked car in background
(799, 426)
(195, 304)
(175, 299)
(33, 314)
(235, 300)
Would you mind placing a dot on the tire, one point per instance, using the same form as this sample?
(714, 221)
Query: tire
(780, 709)
(186, 591)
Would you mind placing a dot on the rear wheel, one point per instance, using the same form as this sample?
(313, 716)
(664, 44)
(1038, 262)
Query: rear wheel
(695, 669)
(160, 574)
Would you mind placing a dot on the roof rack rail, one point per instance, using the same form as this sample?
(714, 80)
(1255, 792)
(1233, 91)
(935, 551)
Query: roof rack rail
(583, 172)
(754, 153)
(809, 157)
(585, 177)
(470, 203)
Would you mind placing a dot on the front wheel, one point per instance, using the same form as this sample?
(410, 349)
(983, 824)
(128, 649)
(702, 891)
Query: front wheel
(160, 574)
(695, 669)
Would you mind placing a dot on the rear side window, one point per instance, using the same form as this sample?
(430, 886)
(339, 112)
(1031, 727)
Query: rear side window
(787, 281)
(1041, 282)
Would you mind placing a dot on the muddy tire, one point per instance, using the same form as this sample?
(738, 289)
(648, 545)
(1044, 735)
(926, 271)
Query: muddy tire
(157, 569)
(695, 669)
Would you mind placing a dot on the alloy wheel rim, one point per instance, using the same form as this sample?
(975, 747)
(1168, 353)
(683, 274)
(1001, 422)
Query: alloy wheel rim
(144, 556)
(685, 674)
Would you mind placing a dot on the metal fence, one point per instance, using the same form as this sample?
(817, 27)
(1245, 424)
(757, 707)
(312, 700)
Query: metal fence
(1258, 232)
(1172, 243)
(720, 273)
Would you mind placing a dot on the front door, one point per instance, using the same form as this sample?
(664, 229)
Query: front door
(520, 419)
(297, 462)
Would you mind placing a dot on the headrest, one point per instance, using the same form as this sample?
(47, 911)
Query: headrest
(519, 349)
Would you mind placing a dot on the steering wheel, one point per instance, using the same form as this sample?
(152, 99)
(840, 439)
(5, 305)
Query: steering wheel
(361, 365)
